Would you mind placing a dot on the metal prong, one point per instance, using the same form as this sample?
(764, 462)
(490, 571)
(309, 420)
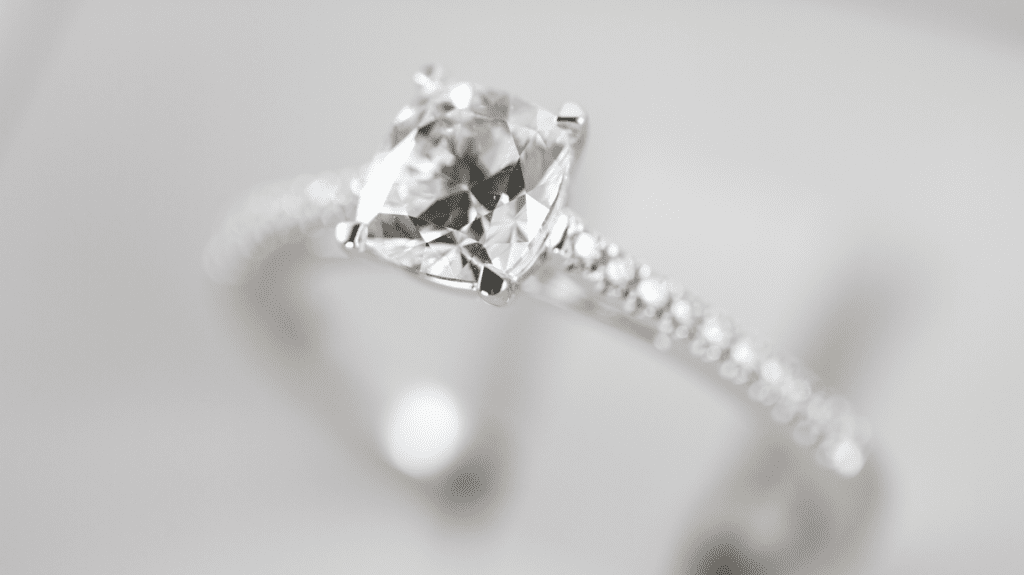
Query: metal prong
(559, 232)
(495, 289)
(573, 118)
(351, 235)
(572, 112)
(429, 79)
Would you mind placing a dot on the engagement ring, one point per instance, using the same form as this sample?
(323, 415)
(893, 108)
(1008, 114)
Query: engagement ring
(472, 194)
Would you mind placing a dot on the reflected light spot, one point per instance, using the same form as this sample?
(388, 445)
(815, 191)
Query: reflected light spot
(424, 432)
(404, 114)
(461, 95)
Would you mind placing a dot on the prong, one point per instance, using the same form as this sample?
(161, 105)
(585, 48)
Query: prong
(351, 235)
(572, 112)
(572, 117)
(559, 232)
(495, 289)
(429, 79)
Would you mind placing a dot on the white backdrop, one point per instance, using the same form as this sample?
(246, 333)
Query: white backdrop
(845, 180)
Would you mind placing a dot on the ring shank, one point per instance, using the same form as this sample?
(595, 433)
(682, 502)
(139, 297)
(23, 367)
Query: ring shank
(274, 215)
(589, 275)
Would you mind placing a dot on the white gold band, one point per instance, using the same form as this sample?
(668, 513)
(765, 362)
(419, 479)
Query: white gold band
(589, 274)
(274, 215)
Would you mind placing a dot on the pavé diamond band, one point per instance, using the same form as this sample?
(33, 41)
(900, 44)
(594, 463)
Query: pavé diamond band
(471, 194)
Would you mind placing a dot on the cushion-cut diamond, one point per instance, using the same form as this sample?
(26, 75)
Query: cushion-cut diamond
(471, 180)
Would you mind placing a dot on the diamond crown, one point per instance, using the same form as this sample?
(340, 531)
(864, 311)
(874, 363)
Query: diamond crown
(470, 183)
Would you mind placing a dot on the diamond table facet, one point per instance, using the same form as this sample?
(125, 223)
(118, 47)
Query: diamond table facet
(471, 181)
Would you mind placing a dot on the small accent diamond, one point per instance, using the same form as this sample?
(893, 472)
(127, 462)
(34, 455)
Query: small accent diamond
(845, 456)
(685, 312)
(746, 353)
(773, 371)
(620, 285)
(716, 330)
(586, 248)
(653, 293)
(620, 271)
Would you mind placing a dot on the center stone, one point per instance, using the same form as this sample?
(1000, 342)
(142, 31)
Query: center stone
(470, 181)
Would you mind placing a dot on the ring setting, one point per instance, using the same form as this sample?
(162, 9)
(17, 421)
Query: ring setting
(471, 194)
(471, 188)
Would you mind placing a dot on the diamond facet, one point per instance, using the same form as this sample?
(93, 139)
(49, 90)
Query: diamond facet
(471, 180)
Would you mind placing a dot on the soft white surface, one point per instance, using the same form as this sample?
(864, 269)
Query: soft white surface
(846, 182)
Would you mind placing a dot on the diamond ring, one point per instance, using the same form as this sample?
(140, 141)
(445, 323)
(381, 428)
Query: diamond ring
(471, 194)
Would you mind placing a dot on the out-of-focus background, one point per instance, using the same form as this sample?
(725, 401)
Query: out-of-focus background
(844, 177)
